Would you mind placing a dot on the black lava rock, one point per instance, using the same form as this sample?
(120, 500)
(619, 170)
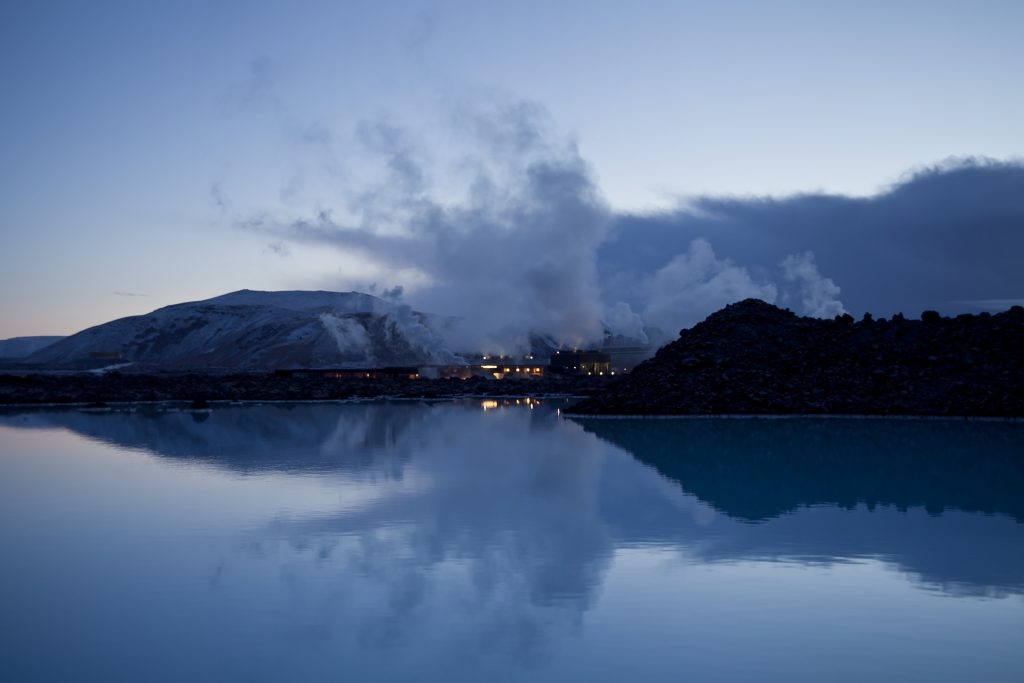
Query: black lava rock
(755, 358)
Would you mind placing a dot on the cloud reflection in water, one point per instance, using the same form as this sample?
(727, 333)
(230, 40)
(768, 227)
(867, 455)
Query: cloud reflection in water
(464, 541)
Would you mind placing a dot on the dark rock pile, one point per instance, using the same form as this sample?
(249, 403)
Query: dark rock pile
(755, 358)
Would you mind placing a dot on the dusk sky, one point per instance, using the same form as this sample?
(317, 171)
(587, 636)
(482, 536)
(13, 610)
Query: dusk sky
(155, 153)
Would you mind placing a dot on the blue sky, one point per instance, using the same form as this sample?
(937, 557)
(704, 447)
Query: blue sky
(140, 138)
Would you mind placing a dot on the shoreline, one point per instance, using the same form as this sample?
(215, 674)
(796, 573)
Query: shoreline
(200, 389)
(185, 405)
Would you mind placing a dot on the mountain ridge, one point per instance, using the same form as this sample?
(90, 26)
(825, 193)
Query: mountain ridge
(250, 329)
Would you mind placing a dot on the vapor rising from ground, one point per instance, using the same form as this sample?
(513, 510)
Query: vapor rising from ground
(508, 230)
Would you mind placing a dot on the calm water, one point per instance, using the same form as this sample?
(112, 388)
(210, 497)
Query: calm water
(447, 542)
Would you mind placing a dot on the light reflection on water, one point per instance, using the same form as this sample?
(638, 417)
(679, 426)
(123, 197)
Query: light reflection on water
(480, 540)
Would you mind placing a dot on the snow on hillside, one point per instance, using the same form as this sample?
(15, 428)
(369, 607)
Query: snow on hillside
(19, 347)
(299, 300)
(260, 330)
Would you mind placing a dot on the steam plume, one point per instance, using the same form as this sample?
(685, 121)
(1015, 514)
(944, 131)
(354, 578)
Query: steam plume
(527, 246)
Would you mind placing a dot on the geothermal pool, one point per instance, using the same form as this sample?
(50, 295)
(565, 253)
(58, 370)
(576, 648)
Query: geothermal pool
(485, 540)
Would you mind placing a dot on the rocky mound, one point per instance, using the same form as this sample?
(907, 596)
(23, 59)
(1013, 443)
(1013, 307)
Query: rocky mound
(755, 358)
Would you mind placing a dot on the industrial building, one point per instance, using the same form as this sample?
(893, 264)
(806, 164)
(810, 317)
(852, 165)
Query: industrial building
(581, 363)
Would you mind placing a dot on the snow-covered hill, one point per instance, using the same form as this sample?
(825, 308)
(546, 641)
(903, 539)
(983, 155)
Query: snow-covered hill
(260, 330)
(19, 347)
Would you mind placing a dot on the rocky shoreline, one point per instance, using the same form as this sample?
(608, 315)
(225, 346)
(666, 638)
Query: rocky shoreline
(752, 358)
(201, 388)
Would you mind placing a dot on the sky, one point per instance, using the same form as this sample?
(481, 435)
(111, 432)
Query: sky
(594, 164)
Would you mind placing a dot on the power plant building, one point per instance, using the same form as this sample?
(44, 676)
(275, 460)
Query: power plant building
(581, 363)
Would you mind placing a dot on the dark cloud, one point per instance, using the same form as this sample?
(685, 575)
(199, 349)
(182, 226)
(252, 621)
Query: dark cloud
(948, 237)
(129, 294)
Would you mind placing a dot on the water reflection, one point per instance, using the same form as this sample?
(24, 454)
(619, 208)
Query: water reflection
(496, 545)
(825, 490)
(286, 437)
(435, 530)
(756, 469)
(818, 490)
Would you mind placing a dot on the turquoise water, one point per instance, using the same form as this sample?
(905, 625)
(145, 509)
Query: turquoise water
(480, 541)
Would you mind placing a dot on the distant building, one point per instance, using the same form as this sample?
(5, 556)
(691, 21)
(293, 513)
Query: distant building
(491, 369)
(508, 369)
(581, 363)
(625, 358)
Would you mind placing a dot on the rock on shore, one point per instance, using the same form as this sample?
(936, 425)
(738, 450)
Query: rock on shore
(755, 358)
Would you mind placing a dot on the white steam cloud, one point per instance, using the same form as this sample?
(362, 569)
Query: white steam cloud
(697, 283)
(620, 320)
(512, 254)
(818, 296)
